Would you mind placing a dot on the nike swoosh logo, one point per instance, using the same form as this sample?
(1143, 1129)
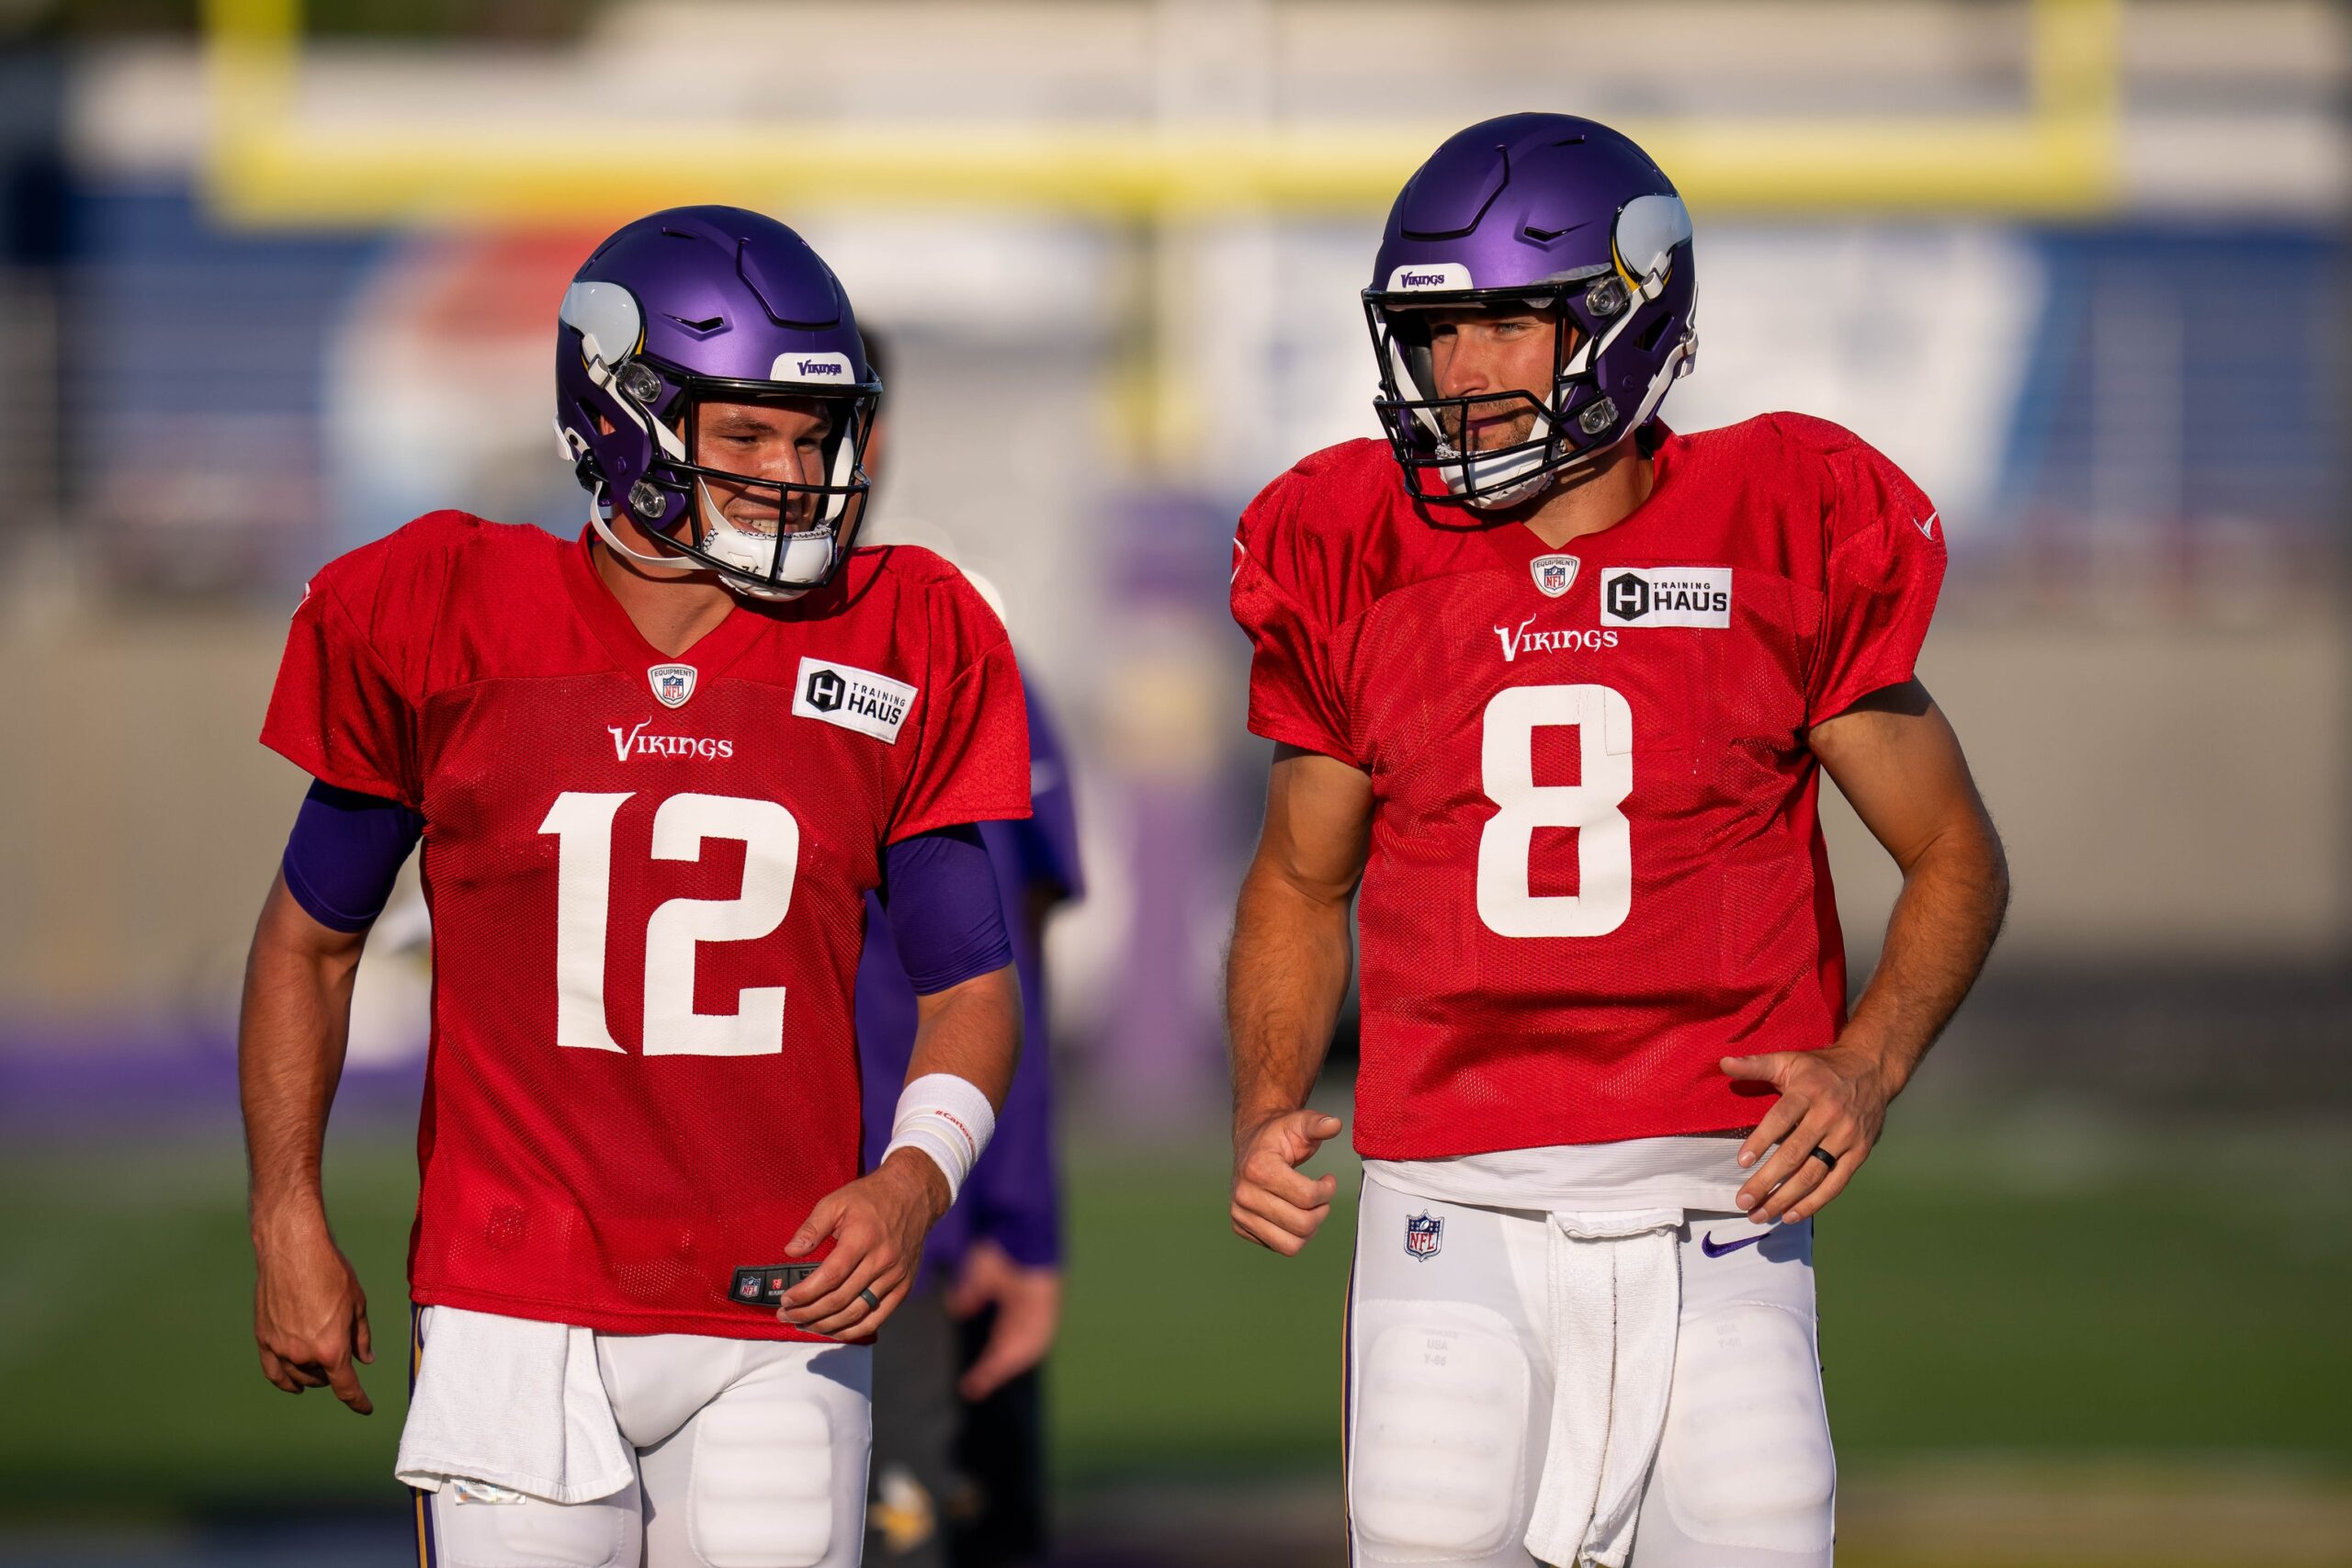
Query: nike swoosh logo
(1928, 527)
(1713, 1248)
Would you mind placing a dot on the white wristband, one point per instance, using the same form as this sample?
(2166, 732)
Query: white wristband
(948, 1119)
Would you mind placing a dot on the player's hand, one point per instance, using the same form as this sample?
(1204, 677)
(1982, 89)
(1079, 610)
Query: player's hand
(878, 1223)
(310, 1314)
(1276, 1204)
(1834, 1098)
(1028, 1305)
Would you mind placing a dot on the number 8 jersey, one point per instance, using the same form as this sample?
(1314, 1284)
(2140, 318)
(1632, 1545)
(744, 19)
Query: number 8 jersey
(1595, 866)
(647, 876)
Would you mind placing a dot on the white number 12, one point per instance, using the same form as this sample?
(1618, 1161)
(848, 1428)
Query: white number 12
(1604, 725)
(582, 826)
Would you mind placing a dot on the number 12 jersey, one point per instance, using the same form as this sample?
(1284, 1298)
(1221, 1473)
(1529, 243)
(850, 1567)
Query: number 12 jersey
(1596, 866)
(648, 877)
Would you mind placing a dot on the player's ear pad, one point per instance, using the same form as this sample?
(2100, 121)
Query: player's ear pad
(1439, 1435)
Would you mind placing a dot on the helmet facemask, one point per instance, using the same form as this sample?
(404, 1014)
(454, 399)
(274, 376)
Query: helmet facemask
(1430, 433)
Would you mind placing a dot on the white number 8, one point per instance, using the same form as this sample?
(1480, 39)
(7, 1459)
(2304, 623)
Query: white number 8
(1604, 725)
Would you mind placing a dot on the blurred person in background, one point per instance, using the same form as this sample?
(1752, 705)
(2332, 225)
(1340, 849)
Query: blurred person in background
(1556, 686)
(958, 1472)
(657, 771)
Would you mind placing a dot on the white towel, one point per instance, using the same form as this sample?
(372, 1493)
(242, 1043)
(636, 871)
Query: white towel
(1616, 1302)
(515, 1402)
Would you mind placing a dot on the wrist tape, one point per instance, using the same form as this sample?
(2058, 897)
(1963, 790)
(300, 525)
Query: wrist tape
(946, 1118)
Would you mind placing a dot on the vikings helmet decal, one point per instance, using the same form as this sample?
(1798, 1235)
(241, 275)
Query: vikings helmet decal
(1542, 211)
(698, 305)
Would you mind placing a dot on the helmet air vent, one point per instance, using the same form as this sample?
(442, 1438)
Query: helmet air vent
(1452, 191)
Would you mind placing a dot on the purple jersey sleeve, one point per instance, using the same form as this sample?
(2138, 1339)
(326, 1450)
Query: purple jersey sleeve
(940, 896)
(345, 852)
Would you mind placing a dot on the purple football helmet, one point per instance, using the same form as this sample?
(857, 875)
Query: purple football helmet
(1548, 210)
(702, 304)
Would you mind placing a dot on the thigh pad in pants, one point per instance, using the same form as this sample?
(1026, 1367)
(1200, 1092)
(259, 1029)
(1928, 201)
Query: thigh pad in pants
(515, 1531)
(1746, 1460)
(1436, 1471)
(762, 1495)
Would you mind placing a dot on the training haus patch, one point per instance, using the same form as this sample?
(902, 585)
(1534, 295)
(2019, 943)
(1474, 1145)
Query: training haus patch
(1666, 596)
(854, 698)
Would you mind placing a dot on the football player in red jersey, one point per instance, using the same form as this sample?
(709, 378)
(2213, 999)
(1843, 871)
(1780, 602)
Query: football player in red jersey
(655, 770)
(1552, 689)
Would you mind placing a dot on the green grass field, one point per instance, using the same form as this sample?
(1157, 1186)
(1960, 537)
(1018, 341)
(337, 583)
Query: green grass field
(2044, 1294)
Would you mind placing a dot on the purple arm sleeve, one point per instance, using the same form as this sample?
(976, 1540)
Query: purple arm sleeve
(940, 894)
(345, 852)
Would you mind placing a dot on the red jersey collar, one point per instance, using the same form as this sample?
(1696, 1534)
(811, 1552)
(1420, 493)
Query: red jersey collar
(712, 652)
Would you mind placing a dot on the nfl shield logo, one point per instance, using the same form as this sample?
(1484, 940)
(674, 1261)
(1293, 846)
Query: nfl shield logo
(1555, 575)
(1424, 1233)
(673, 683)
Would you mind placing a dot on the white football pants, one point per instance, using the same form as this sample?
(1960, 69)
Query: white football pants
(1453, 1354)
(750, 1453)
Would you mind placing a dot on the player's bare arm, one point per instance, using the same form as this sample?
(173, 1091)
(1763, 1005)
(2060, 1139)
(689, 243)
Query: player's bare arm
(970, 1031)
(1896, 758)
(1284, 981)
(310, 1314)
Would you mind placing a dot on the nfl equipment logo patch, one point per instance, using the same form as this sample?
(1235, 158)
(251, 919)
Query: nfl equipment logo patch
(673, 683)
(1555, 575)
(1424, 1233)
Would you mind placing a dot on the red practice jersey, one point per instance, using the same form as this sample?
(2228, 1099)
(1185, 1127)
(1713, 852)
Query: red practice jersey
(646, 877)
(1595, 864)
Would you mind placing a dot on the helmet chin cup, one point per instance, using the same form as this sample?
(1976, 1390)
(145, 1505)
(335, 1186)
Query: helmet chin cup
(1528, 489)
(807, 556)
(1503, 481)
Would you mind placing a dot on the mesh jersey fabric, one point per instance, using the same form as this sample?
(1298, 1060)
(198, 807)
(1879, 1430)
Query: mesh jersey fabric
(1520, 743)
(626, 895)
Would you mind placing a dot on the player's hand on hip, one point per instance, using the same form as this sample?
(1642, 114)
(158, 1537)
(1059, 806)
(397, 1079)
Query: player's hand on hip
(1276, 1204)
(1028, 1305)
(310, 1314)
(878, 1223)
(1833, 1099)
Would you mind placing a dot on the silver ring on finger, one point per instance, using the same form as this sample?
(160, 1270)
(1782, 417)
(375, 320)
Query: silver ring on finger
(1824, 1156)
(870, 1299)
